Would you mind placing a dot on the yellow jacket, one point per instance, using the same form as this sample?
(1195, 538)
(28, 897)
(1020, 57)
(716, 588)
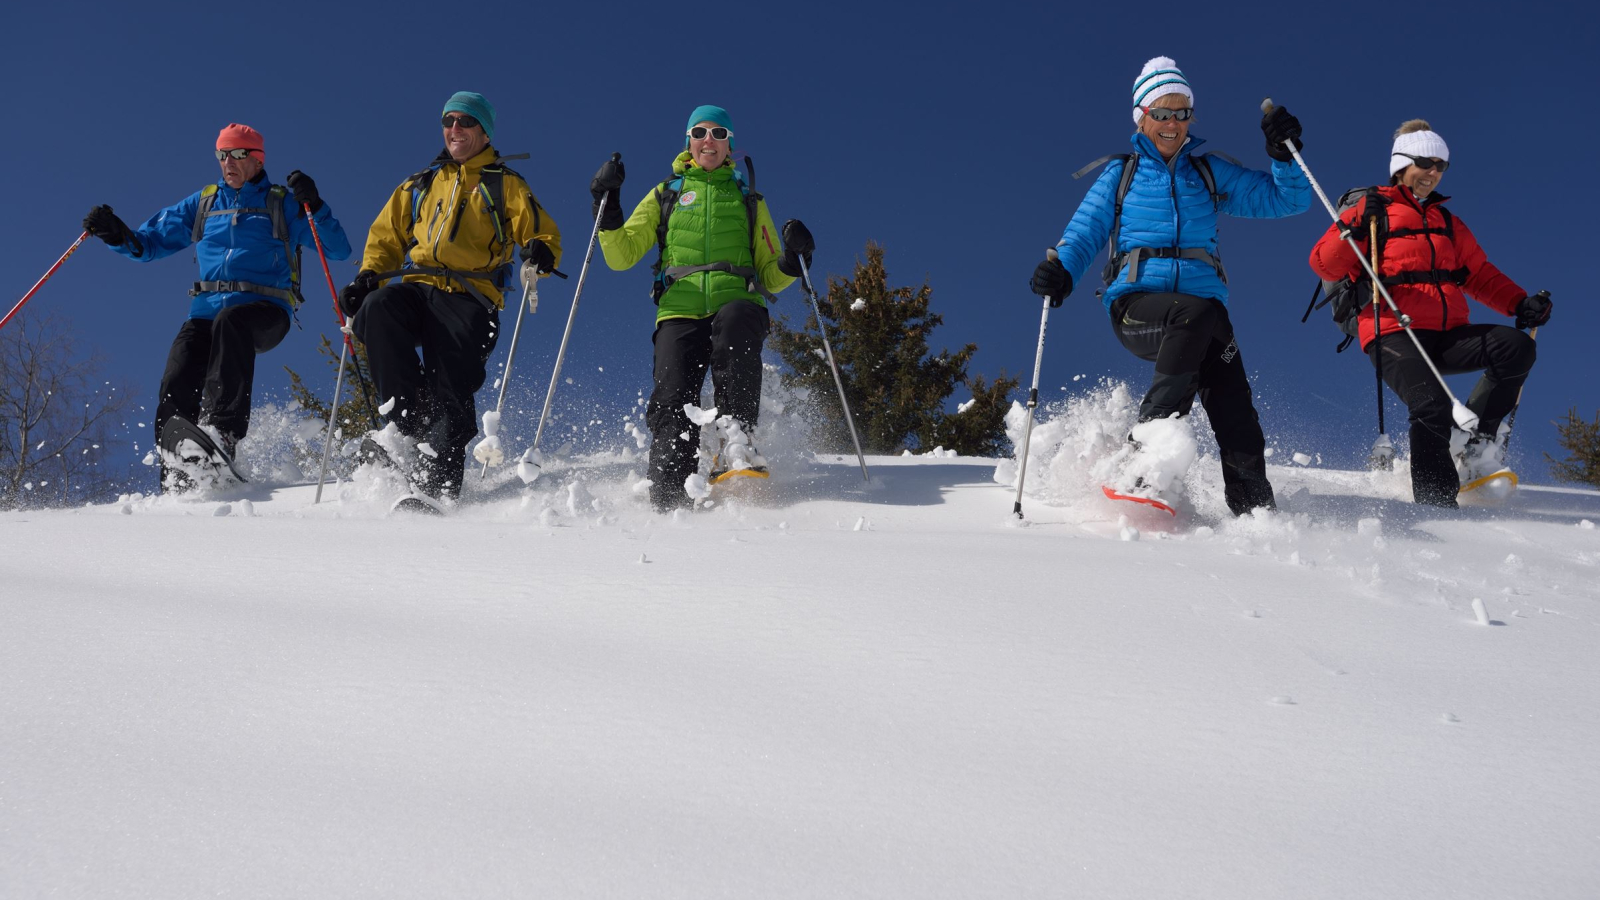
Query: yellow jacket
(455, 229)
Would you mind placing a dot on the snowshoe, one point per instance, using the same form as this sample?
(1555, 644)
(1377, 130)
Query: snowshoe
(193, 458)
(737, 457)
(1143, 494)
(418, 503)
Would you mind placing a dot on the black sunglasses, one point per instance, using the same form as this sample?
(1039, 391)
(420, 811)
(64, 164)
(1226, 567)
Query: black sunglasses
(1427, 162)
(463, 121)
(1161, 114)
(718, 133)
(236, 154)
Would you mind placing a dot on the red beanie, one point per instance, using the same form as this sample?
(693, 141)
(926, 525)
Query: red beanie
(241, 137)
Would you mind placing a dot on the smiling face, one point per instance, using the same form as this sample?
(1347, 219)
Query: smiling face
(708, 152)
(463, 143)
(1422, 182)
(1168, 136)
(235, 172)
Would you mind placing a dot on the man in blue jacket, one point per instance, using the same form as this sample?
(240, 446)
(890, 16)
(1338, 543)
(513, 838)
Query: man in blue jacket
(247, 233)
(1166, 290)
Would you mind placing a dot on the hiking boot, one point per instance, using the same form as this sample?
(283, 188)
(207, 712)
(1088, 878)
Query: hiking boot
(1478, 456)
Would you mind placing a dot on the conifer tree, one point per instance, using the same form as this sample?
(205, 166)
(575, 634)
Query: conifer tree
(1581, 440)
(896, 388)
(357, 409)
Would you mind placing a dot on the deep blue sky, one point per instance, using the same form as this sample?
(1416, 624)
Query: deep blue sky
(947, 132)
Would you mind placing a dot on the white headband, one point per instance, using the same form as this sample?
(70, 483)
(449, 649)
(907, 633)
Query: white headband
(1416, 143)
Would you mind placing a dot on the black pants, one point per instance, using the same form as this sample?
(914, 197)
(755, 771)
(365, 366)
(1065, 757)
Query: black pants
(433, 396)
(729, 343)
(1190, 339)
(1504, 354)
(211, 367)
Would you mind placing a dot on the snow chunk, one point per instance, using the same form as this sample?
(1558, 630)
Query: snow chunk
(387, 407)
(697, 487)
(859, 304)
(1301, 459)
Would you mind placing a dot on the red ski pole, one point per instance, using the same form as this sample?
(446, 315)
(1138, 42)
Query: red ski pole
(40, 283)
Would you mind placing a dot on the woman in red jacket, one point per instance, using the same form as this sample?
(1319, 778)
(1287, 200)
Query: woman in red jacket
(1429, 261)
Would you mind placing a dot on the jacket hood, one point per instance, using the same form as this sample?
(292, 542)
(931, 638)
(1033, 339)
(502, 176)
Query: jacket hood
(1147, 148)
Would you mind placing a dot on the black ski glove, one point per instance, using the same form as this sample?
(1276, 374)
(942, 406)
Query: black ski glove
(1050, 279)
(797, 243)
(1280, 126)
(607, 183)
(305, 190)
(544, 261)
(1533, 311)
(355, 293)
(105, 225)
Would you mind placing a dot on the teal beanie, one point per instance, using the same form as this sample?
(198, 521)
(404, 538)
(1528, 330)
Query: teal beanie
(713, 114)
(476, 106)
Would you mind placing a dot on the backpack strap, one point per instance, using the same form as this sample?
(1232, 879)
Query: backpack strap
(277, 196)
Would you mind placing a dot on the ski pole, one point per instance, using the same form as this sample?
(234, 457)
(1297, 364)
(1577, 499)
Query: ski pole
(822, 329)
(40, 283)
(491, 426)
(1511, 417)
(345, 353)
(572, 314)
(360, 376)
(1033, 398)
(1465, 418)
(1382, 455)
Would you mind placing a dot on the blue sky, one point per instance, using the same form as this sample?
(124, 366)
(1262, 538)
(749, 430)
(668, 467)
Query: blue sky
(945, 134)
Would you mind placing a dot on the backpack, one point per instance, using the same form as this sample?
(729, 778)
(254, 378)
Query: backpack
(276, 195)
(667, 193)
(1350, 296)
(1115, 260)
(491, 185)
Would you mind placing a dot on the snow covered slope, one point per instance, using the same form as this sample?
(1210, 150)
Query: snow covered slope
(834, 689)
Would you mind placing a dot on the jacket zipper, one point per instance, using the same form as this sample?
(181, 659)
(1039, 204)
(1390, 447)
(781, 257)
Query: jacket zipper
(1177, 221)
(1433, 267)
(705, 253)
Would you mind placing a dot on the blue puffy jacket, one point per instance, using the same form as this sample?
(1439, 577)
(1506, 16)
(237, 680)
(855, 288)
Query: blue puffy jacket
(242, 251)
(1169, 206)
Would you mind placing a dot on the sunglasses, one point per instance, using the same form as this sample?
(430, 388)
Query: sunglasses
(234, 154)
(1427, 162)
(718, 133)
(1161, 114)
(463, 121)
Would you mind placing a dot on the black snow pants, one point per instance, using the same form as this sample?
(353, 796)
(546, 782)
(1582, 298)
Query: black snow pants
(1505, 356)
(211, 367)
(1190, 339)
(729, 343)
(433, 397)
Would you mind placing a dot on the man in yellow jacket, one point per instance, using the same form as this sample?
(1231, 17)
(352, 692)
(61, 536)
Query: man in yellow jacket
(449, 232)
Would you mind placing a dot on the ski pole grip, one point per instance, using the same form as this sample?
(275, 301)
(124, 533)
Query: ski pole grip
(1051, 254)
(616, 157)
(1266, 106)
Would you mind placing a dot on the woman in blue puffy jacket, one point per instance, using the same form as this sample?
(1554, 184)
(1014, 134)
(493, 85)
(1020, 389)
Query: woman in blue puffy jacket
(1166, 289)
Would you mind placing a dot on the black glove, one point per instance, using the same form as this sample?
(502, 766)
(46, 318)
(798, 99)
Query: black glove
(355, 293)
(305, 190)
(1280, 126)
(105, 225)
(607, 183)
(1533, 311)
(797, 243)
(544, 262)
(1050, 279)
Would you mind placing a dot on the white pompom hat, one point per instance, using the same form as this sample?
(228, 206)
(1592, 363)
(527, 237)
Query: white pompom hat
(1416, 143)
(1159, 77)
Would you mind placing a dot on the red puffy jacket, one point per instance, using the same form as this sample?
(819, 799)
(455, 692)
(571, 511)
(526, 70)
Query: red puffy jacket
(1441, 266)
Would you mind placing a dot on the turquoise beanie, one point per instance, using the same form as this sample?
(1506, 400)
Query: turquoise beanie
(714, 114)
(476, 106)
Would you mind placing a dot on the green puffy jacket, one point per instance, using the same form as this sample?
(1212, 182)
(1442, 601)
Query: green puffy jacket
(709, 225)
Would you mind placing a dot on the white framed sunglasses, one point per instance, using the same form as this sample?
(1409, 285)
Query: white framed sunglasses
(718, 133)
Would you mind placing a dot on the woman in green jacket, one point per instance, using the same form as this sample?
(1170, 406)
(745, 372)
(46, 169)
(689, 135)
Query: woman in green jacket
(721, 261)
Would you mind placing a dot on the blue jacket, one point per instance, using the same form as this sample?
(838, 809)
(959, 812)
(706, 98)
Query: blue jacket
(242, 251)
(1170, 207)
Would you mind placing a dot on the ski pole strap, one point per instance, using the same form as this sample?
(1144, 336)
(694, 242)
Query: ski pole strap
(752, 278)
(461, 278)
(1133, 257)
(245, 287)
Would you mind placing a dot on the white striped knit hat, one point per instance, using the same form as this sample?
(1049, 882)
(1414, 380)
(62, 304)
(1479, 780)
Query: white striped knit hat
(1160, 77)
(1416, 143)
